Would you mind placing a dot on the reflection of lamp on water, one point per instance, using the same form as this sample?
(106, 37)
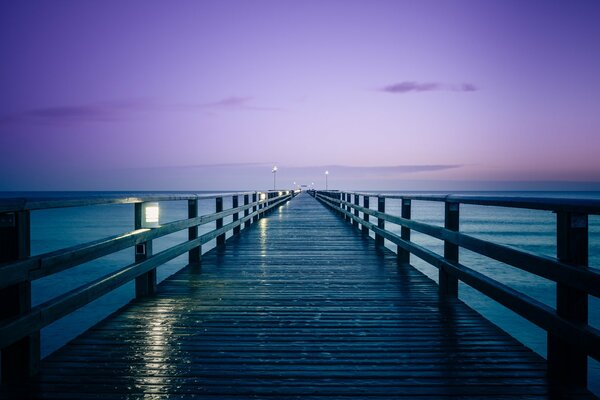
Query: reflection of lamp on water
(150, 215)
(274, 171)
(326, 183)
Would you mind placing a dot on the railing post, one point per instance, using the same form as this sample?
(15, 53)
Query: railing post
(246, 211)
(236, 216)
(355, 223)
(194, 254)
(21, 359)
(404, 255)
(448, 284)
(219, 221)
(566, 362)
(347, 207)
(365, 230)
(380, 221)
(255, 207)
(145, 284)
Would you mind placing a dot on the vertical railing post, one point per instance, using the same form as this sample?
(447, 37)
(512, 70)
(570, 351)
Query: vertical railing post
(380, 221)
(236, 216)
(255, 207)
(21, 359)
(365, 230)
(145, 284)
(448, 284)
(246, 211)
(404, 255)
(193, 254)
(356, 197)
(567, 363)
(219, 221)
(347, 207)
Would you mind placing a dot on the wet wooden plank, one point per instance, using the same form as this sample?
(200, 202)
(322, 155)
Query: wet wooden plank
(300, 305)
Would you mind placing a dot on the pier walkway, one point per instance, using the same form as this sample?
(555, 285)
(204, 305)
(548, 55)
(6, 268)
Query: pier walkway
(299, 305)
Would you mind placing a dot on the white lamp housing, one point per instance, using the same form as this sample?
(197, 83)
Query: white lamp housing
(150, 215)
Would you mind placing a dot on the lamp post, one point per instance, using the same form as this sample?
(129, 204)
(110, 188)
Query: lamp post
(326, 183)
(274, 171)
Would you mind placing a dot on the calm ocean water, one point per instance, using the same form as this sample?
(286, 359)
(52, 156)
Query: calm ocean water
(527, 229)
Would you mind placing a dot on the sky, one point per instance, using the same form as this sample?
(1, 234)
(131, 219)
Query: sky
(393, 95)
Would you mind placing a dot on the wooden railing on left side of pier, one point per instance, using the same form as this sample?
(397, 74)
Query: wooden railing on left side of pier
(20, 323)
(570, 338)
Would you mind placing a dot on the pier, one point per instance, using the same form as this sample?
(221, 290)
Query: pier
(298, 302)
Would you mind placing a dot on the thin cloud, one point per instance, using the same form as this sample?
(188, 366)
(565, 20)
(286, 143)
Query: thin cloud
(412, 86)
(112, 111)
(67, 115)
(394, 169)
(237, 103)
(230, 102)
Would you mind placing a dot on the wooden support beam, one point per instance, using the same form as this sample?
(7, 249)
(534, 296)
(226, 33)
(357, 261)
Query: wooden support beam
(365, 229)
(567, 363)
(247, 211)
(236, 216)
(355, 222)
(21, 359)
(219, 222)
(347, 208)
(379, 241)
(196, 253)
(145, 284)
(404, 255)
(255, 208)
(448, 284)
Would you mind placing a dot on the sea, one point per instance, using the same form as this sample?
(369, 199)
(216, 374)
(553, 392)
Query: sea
(531, 230)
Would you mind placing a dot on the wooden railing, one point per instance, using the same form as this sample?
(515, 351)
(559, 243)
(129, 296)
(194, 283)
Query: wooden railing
(570, 338)
(20, 323)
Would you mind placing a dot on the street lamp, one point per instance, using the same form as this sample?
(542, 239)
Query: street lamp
(326, 183)
(274, 171)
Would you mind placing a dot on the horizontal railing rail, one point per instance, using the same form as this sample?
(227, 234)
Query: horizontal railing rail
(23, 204)
(588, 206)
(570, 338)
(20, 323)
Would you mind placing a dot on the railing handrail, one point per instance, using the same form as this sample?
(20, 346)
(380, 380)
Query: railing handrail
(567, 325)
(543, 266)
(588, 206)
(42, 265)
(23, 322)
(14, 204)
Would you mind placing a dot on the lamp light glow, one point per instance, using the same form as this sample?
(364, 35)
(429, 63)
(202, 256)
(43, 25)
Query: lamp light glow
(274, 171)
(263, 196)
(150, 215)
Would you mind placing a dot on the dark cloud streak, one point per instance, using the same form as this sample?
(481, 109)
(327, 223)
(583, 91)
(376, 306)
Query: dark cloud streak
(411, 86)
(113, 111)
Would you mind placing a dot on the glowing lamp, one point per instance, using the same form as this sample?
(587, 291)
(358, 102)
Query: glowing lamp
(263, 196)
(150, 215)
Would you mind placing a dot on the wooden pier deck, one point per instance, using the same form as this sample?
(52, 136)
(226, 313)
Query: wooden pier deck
(299, 305)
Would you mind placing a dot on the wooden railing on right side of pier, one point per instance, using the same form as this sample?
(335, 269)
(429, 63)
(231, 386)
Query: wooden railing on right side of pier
(570, 338)
(20, 323)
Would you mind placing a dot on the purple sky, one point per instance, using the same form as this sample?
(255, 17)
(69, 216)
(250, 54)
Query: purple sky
(386, 95)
